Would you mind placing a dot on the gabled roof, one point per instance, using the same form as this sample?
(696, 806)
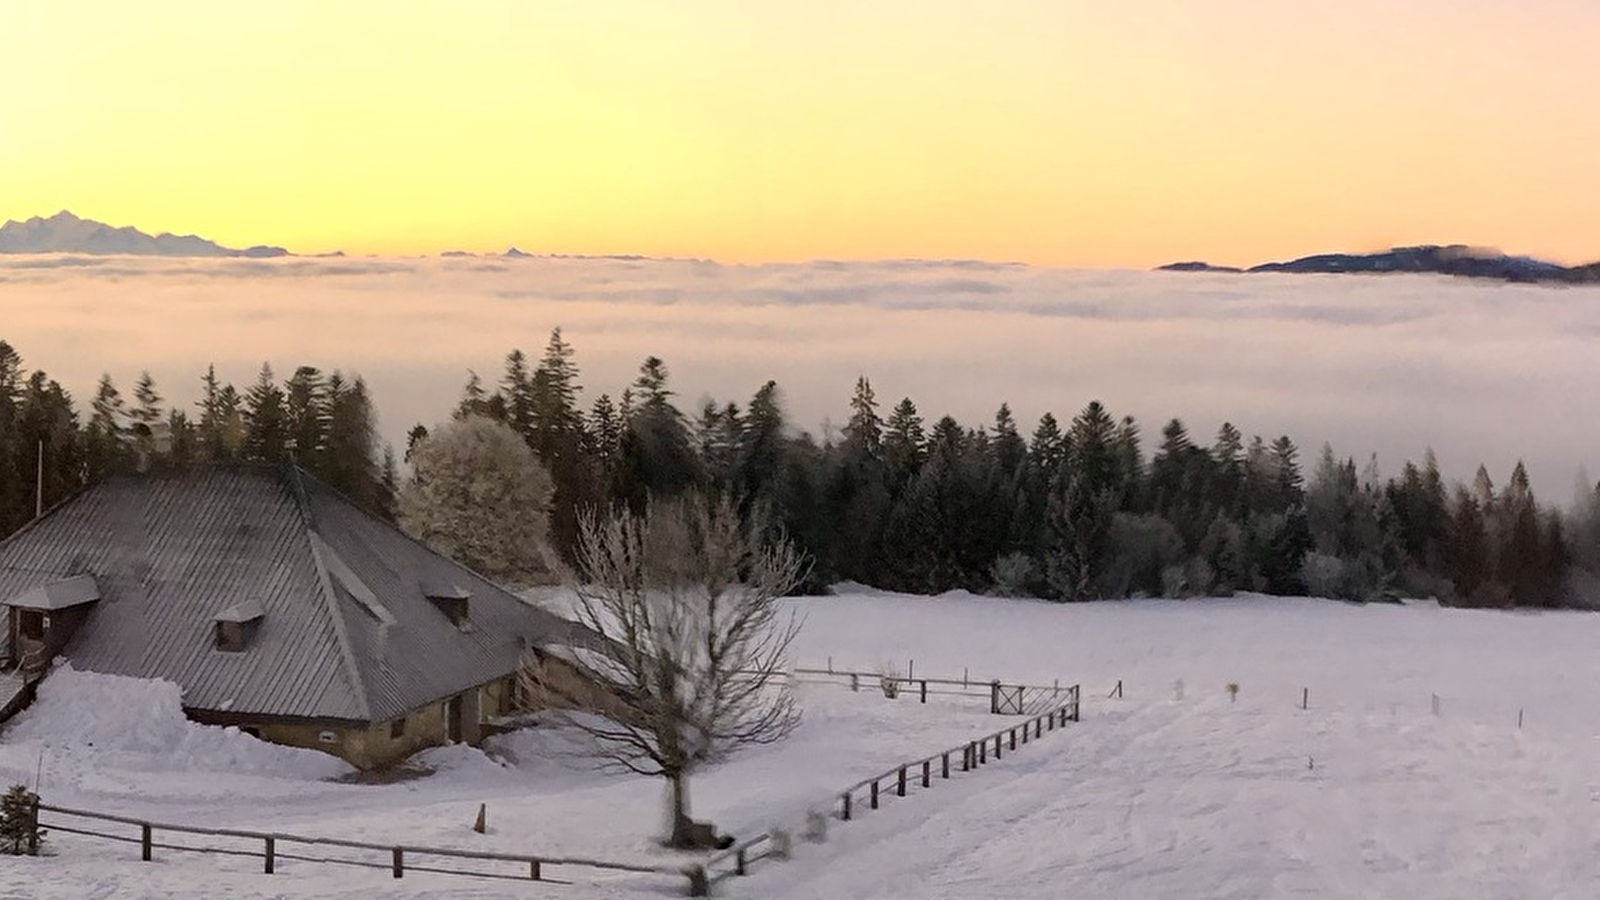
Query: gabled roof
(59, 594)
(346, 630)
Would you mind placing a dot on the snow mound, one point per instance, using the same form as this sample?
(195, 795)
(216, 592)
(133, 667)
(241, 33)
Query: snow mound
(136, 724)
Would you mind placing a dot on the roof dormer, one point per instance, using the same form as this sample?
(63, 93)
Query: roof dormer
(451, 599)
(234, 628)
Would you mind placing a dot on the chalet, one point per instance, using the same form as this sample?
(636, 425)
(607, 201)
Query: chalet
(277, 606)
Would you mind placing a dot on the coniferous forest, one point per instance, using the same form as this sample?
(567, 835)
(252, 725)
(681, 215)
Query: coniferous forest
(1081, 507)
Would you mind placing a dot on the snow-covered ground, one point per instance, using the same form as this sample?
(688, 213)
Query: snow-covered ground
(1172, 790)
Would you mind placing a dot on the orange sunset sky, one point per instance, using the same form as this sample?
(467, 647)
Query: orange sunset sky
(1126, 133)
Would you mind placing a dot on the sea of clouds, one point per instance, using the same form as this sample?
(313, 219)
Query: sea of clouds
(1481, 372)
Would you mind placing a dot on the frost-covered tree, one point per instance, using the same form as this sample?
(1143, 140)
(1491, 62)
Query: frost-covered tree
(692, 641)
(478, 495)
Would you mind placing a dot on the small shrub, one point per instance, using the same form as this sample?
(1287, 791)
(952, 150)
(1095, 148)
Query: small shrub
(889, 681)
(20, 834)
(1012, 574)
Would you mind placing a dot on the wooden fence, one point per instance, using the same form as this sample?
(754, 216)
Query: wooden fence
(272, 848)
(898, 781)
(1004, 698)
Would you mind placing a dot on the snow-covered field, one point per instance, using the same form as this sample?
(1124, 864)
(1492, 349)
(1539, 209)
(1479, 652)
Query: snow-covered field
(1171, 791)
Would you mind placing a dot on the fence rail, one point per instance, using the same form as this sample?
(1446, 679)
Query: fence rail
(1004, 698)
(899, 780)
(397, 858)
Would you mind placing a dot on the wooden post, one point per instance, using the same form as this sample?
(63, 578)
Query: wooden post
(1038, 728)
(270, 856)
(944, 764)
(738, 862)
(855, 682)
(874, 794)
(399, 865)
(1519, 719)
(145, 841)
(699, 884)
(924, 690)
(1052, 718)
(983, 752)
(533, 869)
(927, 772)
(997, 739)
(482, 823)
(911, 668)
(901, 787)
(846, 809)
(1305, 698)
(1013, 737)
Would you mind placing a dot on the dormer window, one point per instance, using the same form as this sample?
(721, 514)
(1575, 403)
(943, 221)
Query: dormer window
(234, 628)
(452, 600)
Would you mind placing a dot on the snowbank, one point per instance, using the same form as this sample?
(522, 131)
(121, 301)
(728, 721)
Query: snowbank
(138, 725)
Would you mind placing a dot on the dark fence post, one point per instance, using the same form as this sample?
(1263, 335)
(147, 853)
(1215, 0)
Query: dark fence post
(533, 870)
(846, 810)
(145, 840)
(901, 789)
(874, 794)
(997, 741)
(924, 690)
(983, 752)
(738, 862)
(699, 884)
(269, 856)
(945, 765)
(399, 865)
(1013, 737)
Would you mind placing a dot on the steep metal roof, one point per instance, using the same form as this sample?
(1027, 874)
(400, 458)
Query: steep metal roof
(345, 632)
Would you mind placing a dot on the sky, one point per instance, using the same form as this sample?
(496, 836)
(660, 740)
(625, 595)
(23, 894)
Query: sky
(1054, 132)
(1481, 372)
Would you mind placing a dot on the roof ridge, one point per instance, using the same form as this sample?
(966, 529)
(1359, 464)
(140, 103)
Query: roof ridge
(330, 600)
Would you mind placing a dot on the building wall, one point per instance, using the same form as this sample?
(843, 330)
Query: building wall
(549, 682)
(376, 746)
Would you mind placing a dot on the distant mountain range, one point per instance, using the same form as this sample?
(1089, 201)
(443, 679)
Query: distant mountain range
(66, 233)
(1455, 259)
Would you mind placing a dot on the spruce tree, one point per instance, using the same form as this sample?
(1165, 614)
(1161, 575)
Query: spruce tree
(266, 421)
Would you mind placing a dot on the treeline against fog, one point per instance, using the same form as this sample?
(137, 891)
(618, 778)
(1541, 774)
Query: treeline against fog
(1069, 509)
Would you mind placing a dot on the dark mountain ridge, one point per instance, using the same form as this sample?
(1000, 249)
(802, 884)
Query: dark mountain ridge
(1452, 259)
(66, 233)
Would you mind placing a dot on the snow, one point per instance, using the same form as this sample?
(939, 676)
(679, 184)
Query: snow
(94, 731)
(1173, 790)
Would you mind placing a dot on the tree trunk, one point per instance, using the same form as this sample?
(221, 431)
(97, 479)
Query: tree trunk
(682, 835)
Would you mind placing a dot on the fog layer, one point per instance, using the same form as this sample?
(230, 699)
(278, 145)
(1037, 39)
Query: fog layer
(1391, 365)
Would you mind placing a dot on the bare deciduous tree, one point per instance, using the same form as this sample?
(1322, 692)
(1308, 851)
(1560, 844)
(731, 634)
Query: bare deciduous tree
(691, 642)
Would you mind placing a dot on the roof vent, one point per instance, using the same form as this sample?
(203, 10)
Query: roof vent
(235, 627)
(451, 599)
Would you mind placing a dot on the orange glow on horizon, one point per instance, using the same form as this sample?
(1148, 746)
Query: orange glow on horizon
(1050, 132)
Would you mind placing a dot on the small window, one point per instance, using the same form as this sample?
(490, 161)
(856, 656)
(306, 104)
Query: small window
(230, 636)
(328, 737)
(397, 728)
(32, 624)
